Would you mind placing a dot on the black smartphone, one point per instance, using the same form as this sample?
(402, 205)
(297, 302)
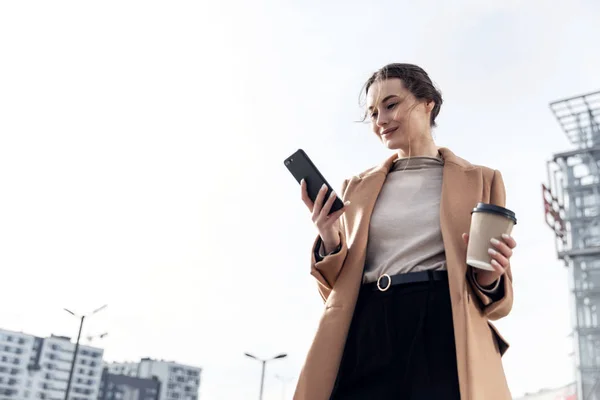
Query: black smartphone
(301, 167)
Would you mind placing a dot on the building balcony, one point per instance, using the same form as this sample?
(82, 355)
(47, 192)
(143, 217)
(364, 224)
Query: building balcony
(588, 330)
(587, 251)
(583, 220)
(586, 187)
(580, 293)
(589, 369)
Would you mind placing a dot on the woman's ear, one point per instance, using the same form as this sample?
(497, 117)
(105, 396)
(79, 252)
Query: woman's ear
(430, 105)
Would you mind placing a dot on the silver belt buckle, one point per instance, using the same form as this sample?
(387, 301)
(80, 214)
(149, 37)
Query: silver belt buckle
(379, 283)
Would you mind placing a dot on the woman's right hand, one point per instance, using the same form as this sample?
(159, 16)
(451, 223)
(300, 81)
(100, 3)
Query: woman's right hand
(327, 225)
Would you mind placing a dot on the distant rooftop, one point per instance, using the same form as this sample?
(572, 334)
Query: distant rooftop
(53, 336)
(149, 359)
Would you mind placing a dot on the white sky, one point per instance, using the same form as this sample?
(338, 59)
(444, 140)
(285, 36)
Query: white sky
(141, 150)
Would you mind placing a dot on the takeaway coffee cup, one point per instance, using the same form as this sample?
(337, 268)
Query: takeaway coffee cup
(487, 221)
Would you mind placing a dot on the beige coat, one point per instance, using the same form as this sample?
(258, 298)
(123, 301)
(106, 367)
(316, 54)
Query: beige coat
(479, 346)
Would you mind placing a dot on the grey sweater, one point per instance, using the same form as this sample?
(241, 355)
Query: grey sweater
(404, 233)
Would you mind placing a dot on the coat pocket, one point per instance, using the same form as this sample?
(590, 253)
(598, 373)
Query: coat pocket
(501, 343)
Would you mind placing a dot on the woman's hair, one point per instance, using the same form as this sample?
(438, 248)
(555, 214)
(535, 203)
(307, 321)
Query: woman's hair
(415, 80)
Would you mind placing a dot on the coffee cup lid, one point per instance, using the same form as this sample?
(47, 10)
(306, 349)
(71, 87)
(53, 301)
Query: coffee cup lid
(491, 208)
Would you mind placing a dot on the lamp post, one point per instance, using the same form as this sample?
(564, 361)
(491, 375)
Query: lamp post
(81, 319)
(264, 363)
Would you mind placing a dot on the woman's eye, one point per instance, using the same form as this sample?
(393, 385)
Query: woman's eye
(374, 115)
(391, 106)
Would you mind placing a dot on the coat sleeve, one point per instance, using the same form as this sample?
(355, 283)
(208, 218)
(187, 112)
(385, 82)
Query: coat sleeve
(499, 304)
(327, 269)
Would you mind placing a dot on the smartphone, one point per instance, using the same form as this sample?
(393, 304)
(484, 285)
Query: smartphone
(301, 167)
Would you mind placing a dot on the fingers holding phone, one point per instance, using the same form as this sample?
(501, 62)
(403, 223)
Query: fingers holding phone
(321, 208)
(327, 224)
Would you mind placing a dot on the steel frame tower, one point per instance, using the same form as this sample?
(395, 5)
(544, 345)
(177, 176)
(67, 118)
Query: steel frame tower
(572, 210)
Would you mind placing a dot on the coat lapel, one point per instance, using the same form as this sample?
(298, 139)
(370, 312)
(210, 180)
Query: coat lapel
(364, 196)
(462, 188)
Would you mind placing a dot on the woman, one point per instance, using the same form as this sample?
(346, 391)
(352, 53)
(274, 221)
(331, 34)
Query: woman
(405, 317)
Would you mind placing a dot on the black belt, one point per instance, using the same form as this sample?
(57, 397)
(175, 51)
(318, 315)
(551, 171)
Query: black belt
(385, 281)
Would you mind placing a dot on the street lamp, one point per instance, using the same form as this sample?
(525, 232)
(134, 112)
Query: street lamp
(94, 337)
(81, 319)
(264, 363)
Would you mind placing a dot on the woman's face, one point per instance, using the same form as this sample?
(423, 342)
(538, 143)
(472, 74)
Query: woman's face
(397, 117)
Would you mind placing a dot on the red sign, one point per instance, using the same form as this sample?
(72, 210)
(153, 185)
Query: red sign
(552, 210)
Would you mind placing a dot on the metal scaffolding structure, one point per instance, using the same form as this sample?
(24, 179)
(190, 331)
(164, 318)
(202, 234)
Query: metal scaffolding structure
(572, 210)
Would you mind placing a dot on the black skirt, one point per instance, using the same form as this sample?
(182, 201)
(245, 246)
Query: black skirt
(400, 346)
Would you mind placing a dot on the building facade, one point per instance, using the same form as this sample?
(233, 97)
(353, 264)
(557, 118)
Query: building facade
(123, 387)
(178, 382)
(38, 368)
(17, 356)
(35, 368)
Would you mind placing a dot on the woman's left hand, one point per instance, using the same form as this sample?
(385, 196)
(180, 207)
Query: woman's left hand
(500, 251)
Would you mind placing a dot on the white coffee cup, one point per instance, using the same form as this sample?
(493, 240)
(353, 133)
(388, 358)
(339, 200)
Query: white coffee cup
(487, 221)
